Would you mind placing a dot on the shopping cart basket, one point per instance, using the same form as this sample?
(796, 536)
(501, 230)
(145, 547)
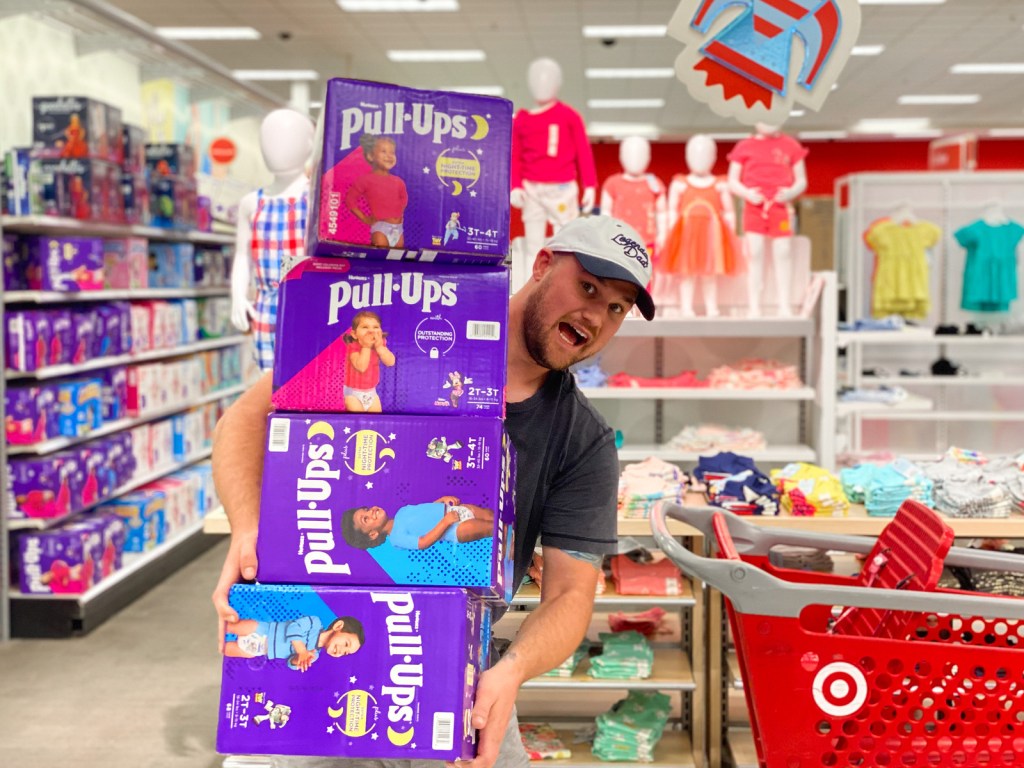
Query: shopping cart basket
(931, 678)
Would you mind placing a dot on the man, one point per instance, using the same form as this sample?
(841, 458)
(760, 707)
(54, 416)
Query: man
(585, 280)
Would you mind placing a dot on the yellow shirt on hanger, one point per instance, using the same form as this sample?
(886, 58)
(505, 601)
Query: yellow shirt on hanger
(901, 267)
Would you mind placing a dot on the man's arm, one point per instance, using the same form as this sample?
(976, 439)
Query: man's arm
(546, 639)
(238, 446)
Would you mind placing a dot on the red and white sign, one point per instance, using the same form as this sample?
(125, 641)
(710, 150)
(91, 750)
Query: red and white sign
(223, 150)
(954, 153)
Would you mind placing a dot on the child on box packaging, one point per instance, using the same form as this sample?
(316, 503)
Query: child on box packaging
(365, 350)
(383, 194)
(298, 640)
(417, 526)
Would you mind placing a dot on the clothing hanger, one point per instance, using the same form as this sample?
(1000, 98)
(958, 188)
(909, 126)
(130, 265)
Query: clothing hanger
(994, 215)
(903, 214)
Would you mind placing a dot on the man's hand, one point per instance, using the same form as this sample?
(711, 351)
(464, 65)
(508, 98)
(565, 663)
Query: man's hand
(536, 568)
(495, 701)
(239, 564)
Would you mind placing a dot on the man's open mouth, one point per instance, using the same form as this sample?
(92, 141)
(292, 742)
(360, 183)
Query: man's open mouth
(573, 334)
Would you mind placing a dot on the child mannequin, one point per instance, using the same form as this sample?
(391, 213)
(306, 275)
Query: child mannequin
(635, 196)
(767, 170)
(702, 221)
(551, 159)
(271, 227)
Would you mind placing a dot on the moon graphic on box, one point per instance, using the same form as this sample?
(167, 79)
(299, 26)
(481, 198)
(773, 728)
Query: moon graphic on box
(320, 428)
(457, 185)
(387, 453)
(482, 127)
(399, 739)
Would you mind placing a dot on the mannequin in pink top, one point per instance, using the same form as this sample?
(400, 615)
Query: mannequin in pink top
(767, 171)
(701, 240)
(635, 196)
(551, 161)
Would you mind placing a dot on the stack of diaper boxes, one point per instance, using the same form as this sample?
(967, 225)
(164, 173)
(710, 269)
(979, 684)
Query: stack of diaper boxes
(386, 522)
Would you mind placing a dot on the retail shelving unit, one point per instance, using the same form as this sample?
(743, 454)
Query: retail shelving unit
(571, 703)
(982, 409)
(64, 615)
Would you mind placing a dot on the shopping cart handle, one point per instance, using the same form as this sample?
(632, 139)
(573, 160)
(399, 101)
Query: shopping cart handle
(755, 591)
(752, 539)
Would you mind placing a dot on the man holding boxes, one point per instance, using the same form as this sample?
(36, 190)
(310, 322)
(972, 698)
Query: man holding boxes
(559, 457)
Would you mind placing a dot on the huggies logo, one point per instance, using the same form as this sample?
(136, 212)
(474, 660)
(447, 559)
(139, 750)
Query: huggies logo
(315, 523)
(395, 116)
(632, 249)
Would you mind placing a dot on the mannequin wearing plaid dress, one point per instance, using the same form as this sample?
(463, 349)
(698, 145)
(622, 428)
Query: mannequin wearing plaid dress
(271, 230)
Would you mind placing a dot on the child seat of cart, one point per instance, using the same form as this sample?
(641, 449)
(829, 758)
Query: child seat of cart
(908, 554)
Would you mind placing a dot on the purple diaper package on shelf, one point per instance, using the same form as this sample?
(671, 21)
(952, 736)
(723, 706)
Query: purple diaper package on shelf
(37, 338)
(381, 673)
(410, 174)
(62, 561)
(41, 487)
(381, 499)
(63, 263)
(15, 278)
(31, 414)
(360, 336)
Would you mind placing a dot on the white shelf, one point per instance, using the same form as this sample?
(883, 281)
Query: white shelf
(54, 371)
(674, 750)
(55, 225)
(981, 380)
(670, 672)
(695, 393)
(910, 404)
(939, 416)
(923, 336)
(137, 482)
(135, 294)
(529, 594)
(718, 327)
(59, 443)
(773, 453)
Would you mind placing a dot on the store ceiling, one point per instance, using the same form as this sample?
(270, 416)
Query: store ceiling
(921, 43)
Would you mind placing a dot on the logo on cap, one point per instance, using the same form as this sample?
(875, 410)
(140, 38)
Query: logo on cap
(632, 249)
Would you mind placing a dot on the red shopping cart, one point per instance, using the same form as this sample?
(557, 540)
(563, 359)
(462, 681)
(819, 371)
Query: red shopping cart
(874, 670)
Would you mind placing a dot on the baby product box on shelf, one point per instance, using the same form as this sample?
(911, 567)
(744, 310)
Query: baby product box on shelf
(85, 189)
(382, 500)
(63, 263)
(31, 414)
(17, 199)
(126, 262)
(77, 127)
(401, 173)
(363, 336)
(37, 338)
(65, 560)
(41, 487)
(376, 673)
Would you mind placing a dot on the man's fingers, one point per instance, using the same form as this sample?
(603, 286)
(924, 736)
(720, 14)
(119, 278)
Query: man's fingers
(247, 561)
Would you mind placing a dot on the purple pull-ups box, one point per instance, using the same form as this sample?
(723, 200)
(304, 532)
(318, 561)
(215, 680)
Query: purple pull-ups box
(362, 336)
(381, 500)
(410, 174)
(356, 673)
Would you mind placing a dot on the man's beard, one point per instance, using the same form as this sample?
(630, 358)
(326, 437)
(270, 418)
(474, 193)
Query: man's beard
(534, 334)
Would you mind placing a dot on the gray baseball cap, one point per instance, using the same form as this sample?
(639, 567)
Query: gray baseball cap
(608, 248)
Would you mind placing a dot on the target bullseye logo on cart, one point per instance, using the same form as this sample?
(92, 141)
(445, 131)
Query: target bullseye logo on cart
(839, 689)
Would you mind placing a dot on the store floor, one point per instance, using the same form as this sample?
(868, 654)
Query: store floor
(140, 691)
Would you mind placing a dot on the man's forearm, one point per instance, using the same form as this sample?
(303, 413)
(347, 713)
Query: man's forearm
(238, 446)
(550, 634)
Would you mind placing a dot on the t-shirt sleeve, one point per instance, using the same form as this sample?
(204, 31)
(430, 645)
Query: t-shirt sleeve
(795, 150)
(302, 629)
(1018, 232)
(873, 237)
(930, 234)
(580, 509)
(741, 152)
(965, 235)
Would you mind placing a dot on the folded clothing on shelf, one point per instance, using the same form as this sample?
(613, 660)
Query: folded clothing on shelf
(890, 323)
(808, 489)
(972, 488)
(645, 483)
(885, 395)
(755, 373)
(648, 623)
(632, 728)
(685, 379)
(568, 667)
(892, 484)
(661, 577)
(625, 655)
(542, 743)
(709, 437)
(590, 375)
(747, 492)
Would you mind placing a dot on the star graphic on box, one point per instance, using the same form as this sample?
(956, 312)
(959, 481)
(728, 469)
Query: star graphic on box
(369, 487)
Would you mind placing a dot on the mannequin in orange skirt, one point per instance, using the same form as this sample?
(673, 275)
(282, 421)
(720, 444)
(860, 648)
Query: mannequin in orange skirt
(701, 242)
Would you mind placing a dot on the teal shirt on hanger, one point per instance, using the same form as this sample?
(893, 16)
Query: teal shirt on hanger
(990, 272)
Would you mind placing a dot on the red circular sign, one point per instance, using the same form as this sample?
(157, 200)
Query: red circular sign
(223, 150)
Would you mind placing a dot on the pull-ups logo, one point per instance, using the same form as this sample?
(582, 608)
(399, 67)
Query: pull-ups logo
(632, 249)
(739, 57)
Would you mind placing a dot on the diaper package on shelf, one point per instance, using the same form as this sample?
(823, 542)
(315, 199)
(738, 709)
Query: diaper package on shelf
(374, 673)
(403, 338)
(401, 173)
(381, 500)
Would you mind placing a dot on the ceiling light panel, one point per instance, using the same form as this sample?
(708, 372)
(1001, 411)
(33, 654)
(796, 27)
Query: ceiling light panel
(618, 130)
(892, 125)
(625, 103)
(867, 50)
(611, 32)
(636, 73)
(1004, 68)
(208, 33)
(902, 2)
(939, 99)
(479, 90)
(275, 74)
(397, 6)
(421, 56)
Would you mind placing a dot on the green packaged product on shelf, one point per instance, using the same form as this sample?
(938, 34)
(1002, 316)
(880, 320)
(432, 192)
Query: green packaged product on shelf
(626, 655)
(631, 729)
(567, 667)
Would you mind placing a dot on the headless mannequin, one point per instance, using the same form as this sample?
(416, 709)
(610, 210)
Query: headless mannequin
(778, 242)
(701, 154)
(286, 142)
(550, 151)
(634, 157)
